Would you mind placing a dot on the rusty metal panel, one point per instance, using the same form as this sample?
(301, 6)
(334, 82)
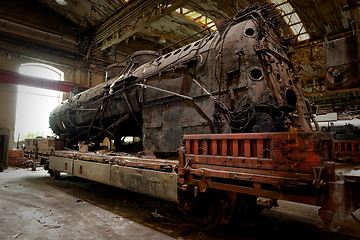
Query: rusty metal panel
(43, 145)
(98, 172)
(341, 63)
(288, 166)
(172, 133)
(161, 134)
(340, 51)
(238, 79)
(347, 150)
(198, 112)
(158, 180)
(154, 183)
(152, 117)
(61, 164)
(294, 152)
(341, 202)
(163, 83)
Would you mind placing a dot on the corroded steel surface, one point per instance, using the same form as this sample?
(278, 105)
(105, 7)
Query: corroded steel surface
(238, 79)
(347, 150)
(341, 63)
(121, 159)
(298, 167)
(231, 91)
(155, 178)
(37, 150)
(43, 146)
(275, 165)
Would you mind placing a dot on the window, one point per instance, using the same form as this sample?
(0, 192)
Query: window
(292, 19)
(197, 17)
(35, 104)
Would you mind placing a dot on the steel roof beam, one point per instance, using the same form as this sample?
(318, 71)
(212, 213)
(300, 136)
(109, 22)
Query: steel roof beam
(20, 79)
(124, 25)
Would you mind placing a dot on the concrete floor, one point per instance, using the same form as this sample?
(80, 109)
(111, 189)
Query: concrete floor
(34, 206)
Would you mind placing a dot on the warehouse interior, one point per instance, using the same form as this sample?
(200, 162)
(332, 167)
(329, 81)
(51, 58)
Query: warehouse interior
(53, 49)
(82, 38)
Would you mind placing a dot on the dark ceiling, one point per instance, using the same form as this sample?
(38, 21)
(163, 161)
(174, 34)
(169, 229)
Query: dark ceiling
(115, 20)
(105, 23)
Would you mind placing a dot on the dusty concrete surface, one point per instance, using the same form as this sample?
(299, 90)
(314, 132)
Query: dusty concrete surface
(35, 206)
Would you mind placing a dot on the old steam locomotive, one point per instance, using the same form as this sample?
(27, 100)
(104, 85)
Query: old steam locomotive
(236, 80)
(234, 101)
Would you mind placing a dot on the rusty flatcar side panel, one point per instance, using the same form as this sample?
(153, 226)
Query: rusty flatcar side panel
(97, 172)
(153, 177)
(298, 167)
(43, 145)
(291, 152)
(61, 164)
(289, 166)
(153, 183)
(347, 150)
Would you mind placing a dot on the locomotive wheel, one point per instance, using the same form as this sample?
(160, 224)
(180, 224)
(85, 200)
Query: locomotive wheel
(46, 167)
(202, 209)
(221, 209)
(187, 204)
(54, 174)
(218, 208)
(228, 207)
(246, 208)
(33, 166)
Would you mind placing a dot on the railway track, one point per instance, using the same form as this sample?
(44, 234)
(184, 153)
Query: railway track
(291, 220)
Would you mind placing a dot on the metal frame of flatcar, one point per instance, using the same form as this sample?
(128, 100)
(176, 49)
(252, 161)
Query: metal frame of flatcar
(297, 167)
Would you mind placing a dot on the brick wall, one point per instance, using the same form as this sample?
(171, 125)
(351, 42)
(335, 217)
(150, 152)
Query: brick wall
(15, 158)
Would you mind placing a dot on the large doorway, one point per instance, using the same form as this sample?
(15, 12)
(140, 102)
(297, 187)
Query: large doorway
(35, 104)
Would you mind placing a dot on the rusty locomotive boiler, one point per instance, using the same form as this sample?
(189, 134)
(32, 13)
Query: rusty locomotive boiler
(238, 79)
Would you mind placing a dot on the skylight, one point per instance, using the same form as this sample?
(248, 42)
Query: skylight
(292, 19)
(288, 13)
(197, 17)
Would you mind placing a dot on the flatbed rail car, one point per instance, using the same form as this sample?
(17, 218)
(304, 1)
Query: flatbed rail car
(219, 176)
(37, 150)
(230, 89)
